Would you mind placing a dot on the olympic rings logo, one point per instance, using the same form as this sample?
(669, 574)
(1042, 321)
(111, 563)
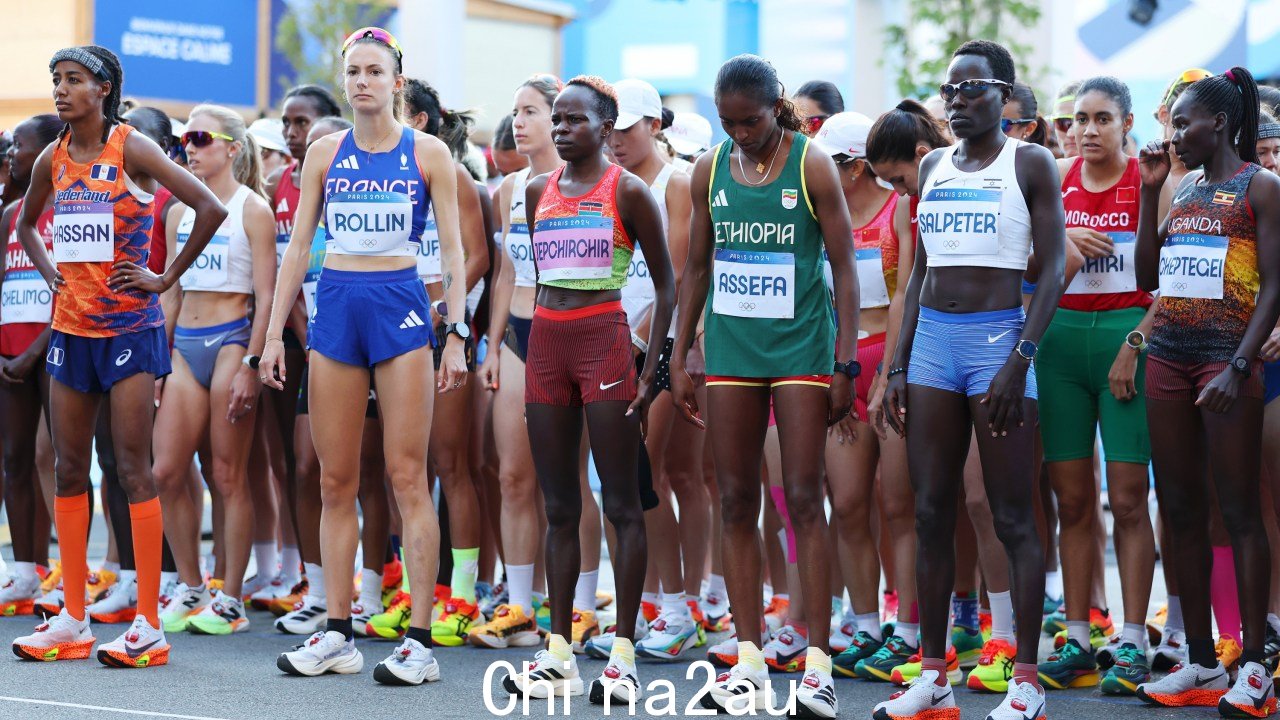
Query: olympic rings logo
(1179, 286)
(73, 253)
(748, 306)
(368, 242)
(951, 244)
(1094, 282)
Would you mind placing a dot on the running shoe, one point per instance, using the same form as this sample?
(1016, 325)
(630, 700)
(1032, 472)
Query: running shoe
(994, 669)
(584, 628)
(394, 622)
(1023, 701)
(545, 676)
(775, 613)
(1228, 652)
(1171, 651)
(816, 696)
(716, 608)
(308, 617)
(484, 591)
(542, 614)
(1252, 695)
(360, 614)
(889, 614)
(455, 623)
(52, 602)
(618, 681)
(724, 654)
(439, 598)
(669, 637)
(216, 584)
(284, 604)
(277, 588)
(409, 664)
(18, 596)
(323, 652)
(61, 637)
(968, 645)
(138, 647)
(1070, 666)
(984, 625)
(699, 620)
(224, 616)
(1050, 605)
(739, 690)
(1100, 629)
(923, 699)
(1128, 670)
(510, 627)
(880, 665)
(51, 579)
(496, 599)
(1106, 655)
(1189, 685)
(1271, 646)
(98, 582)
(861, 647)
(185, 602)
(603, 600)
(119, 604)
(1155, 624)
(910, 670)
(253, 585)
(785, 652)
(649, 611)
(843, 633)
(600, 647)
(1055, 623)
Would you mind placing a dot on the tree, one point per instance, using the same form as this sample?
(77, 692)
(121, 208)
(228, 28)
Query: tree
(937, 27)
(311, 32)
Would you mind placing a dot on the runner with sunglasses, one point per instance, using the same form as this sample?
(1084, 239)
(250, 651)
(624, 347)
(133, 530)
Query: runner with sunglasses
(816, 101)
(371, 184)
(108, 336)
(966, 349)
(1064, 118)
(1212, 259)
(1021, 119)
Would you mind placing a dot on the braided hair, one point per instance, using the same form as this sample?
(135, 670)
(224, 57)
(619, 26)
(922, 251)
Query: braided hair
(451, 126)
(606, 96)
(1235, 95)
(110, 71)
(753, 75)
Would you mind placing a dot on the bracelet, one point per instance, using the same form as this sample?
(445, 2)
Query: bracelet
(895, 371)
(635, 340)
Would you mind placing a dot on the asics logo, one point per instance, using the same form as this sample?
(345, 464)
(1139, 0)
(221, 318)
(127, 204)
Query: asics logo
(213, 341)
(606, 387)
(124, 357)
(992, 338)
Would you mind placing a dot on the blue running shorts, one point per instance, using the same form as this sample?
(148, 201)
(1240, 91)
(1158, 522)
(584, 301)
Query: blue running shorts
(364, 318)
(94, 364)
(962, 352)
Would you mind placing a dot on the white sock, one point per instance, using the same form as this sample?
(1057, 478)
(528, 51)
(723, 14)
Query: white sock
(290, 561)
(651, 598)
(910, 632)
(167, 578)
(370, 586)
(584, 595)
(951, 623)
(315, 581)
(715, 585)
(869, 623)
(674, 604)
(1002, 616)
(1077, 630)
(25, 570)
(1173, 619)
(520, 587)
(1053, 584)
(266, 560)
(111, 566)
(1134, 633)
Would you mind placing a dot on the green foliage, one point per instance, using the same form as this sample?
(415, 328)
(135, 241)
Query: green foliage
(958, 21)
(310, 35)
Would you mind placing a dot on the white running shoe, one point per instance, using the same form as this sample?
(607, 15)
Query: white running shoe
(1171, 651)
(322, 653)
(52, 602)
(600, 647)
(18, 596)
(740, 690)
(816, 696)
(279, 587)
(119, 604)
(843, 634)
(307, 618)
(138, 647)
(1189, 685)
(1252, 695)
(253, 585)
(669, 636)
(409, 664)
(619, 682)
(724, 654)
(185, 602)
(546, 675)
(61, 637)
(361, 610)
(786, 651)
(1022, 701)
(922, 695)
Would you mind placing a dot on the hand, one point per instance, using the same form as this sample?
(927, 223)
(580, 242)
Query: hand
(17, 370)
(453, 366)
(1221, 392)
(244, 394)
(1122, 373)
(696, 365)
(641, 404)
(895, 403)
(1091, 243)
(130, 276)
(1154, 164)
(271, 366)
(1271, 348)
(56, 282)
(1004, 397)
(840, 396)
(875, 405)
(845, 430)
(682, 395)
(489, 368)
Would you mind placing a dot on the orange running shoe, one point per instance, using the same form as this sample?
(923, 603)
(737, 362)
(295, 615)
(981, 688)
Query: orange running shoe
(62, 637)
(649, 611)
(51, 577)
(18, 596)
(138, 647)
(1188, 685)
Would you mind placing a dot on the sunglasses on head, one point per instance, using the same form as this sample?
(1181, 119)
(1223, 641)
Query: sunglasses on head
(202, 138)
(1006, 124)
(971, 89)
(375, 33)
(1186, 78)
(813, 123)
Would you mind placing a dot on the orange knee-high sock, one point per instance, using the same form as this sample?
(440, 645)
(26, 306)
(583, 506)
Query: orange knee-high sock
(148, 539)
(71, 514)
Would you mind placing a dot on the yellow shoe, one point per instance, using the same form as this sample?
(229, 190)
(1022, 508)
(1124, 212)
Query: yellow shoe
(52, 578)
(98, 582)
(215, 585)
(585, 627)
(1228, 651)
(603, 600)
(1155, 625)
(451, 628)
(510, 627)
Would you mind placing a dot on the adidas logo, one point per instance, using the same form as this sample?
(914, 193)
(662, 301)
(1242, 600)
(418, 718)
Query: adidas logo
(350, 163)
(721, 199)
(411, 321)
(282, 206)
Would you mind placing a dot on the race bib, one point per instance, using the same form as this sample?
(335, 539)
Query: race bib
(1192, 266)
(26, 298)
(1111, 274)
(84, 232)
(638, 294)
(311, 278)
(574, 248)
(960, 221)
(872, 289)
(209, 271)
(364, 223)
(754, 284)
(429, 265)
(519, 250)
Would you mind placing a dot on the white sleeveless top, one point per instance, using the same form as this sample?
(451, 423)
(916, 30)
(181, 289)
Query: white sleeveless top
(226, 263)
(518, 246)
(975, 218)
(638, 294)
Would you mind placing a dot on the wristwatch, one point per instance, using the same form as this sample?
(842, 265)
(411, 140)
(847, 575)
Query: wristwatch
(1242, 365)
(251, 361)
(1136, 341)
(462, 330)
(1026, 350)
(851, 369)
(440, 308)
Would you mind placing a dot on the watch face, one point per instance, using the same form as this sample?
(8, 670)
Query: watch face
(463, 330)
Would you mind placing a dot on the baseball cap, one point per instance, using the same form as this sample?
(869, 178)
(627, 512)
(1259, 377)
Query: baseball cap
(178, 127)
(689, 134)
(636, 99)
(845, 134)
(269, 133)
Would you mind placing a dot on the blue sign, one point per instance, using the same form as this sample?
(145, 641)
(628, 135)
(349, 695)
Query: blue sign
(183, 51)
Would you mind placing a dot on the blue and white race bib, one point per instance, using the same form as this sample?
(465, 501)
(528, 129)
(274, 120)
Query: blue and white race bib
(1193, 266)
(369, 222)
(1110, 274)
(960, 221)
(754, 284)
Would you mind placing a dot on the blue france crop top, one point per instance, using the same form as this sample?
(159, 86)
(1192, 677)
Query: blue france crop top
(226, 263)
(975, 218)
(518, 245)
(375, 204)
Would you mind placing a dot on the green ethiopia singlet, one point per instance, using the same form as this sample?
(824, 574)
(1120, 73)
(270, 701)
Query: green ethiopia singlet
(768, 311)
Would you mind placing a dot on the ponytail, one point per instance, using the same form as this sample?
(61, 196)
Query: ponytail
(896, 134)
(1234, 94)
(1247, 141)
(247, 168)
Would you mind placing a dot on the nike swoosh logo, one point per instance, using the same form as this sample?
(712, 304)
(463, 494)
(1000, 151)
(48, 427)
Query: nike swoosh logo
(1201, 682)
(991, 338)
(943, 181)
(135, 652)
(939, 699)
(213, 341)
(606, 387)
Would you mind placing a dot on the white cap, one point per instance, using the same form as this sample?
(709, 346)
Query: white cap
(845, 134)
(177, 127)
(689, 134)
(636, 99)
(269, 133)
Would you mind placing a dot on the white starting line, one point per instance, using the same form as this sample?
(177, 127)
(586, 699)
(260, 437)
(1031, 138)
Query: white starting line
(102, 708)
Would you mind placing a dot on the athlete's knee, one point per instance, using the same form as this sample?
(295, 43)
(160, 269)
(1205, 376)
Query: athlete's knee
(1241, 519)
(804, 502)
(852, 510)
(135, 477)
(739, 509)
(623, 512)
(19, 463)
(1129, 509)
(338, 491)
(1075, 514)
(685, 483)
(934, 520)
(517, 489)
(564, 509)
(1016, 530)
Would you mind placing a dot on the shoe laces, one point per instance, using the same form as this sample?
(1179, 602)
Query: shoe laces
(991, 649)
(402, 601)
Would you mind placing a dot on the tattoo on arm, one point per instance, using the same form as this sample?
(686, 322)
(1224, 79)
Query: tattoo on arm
(448, 281)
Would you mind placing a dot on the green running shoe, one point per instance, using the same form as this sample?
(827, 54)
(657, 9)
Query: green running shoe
(880, 665)
(1130, 670)
(968, 644)
(1071, 666)
(1055, 623)
(861, 647)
